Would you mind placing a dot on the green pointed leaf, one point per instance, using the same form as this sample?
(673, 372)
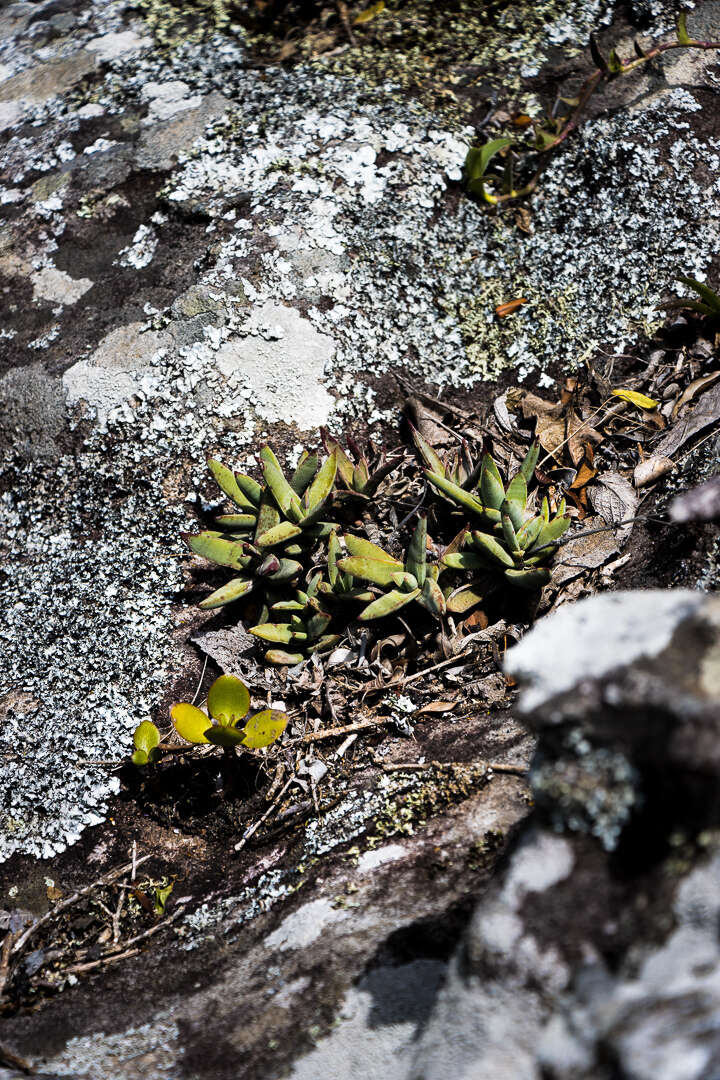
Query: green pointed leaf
(528, 534)
(285, 530)
(682, 33)
(145, 738)
(466, 560)
(218, 549)
(712, 299)
(488, 545)
(598, 58)
(432, 459)
(492, 491)
(286, 571)
(416, 558)
(279, 632)
(226, 481)
(332, 558)
(551, 530)
(387, 605)
(528, 579)
(228, 699)
(379, 571)
(325, 643)
(405, 581)
(461, 600)
(461, 497)
(357, 545)
(283, 494)
(190, 722)
(529, 463)
(615, 64)
(304, 473)
(508, 531)
(361, 475)
(317, 624)
(344, 464)
(517, 490)
(250, 488)
(431, 597)
(237, 521)
(264, 728)
(322, 485)
(479, 157)
(227, 737)
(268, 516)
(233, 590)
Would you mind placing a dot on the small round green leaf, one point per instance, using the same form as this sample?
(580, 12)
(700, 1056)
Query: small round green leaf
(228, 700)
(264, 728)
(140, 758)
(221, 735)
(145, 738)
(190, 722)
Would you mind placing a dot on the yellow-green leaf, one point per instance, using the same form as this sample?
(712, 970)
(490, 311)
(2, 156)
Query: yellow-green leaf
(264, 728)
(369, 13)
(640, 400)
(146, 737)
(228, 700)
(190, 722)
(357, 545)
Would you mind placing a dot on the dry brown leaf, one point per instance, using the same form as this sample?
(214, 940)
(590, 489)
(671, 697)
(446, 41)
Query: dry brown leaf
(437, 707)
(652, 469)
(696, 387)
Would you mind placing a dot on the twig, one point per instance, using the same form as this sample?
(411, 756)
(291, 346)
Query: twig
(347, 729)
(202, 676)
(490, 766)
(129, 948)
(7, 945)
(256, 825)
(106, 879)
(426, 671)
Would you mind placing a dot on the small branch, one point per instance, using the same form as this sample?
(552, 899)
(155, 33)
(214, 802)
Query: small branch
(422, 766)
(256, 825)
(347, 729)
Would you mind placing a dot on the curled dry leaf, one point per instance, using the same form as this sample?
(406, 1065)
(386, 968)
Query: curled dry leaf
(616, 500)
(705, 413)
(652, 469)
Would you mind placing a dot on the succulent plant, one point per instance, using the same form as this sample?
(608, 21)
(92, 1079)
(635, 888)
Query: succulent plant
(360, 476)
(522, 543)
(397, 582)
(282, 516)
(304, 626)
(459, 468)
(708, 304)
(485, 501)
(228, 703)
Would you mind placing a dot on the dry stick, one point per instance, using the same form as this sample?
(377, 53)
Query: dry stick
(490, 766)
(106, 879)
(129, 948)
(7, 945)
(347, 729)
(256, 825)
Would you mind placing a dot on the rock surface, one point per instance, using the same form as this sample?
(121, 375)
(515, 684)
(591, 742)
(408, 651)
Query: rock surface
(203, 252)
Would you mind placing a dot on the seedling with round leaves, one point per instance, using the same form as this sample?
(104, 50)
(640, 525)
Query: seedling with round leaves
(303, 629)
(361, 476)
(228, 703)
(393, 582)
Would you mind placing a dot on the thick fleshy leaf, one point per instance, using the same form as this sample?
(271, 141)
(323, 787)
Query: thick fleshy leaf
(325, 643)
(228, 699)
(379, 571)
(218, 550)
(268, 516)
(357, 545)
(529, 462)
(304, 473)
(432, 459)
(528, 579)
(405, 581)
(280, 632)
(462, 497)
(551, 531)
(236, 521)
(710, 298)
(387, 605)
(283, 659)
(492, 491)
(333, 552)
(361, 475)
(264, 728)
(287, 605)
(416, 558)
(517, 490)
(461, 600)
(466, 560)
(286, 571)
(275, 479)
(190, 722)
(226, 481)
(508, 529)
(146, 737)
(479, 157)
(344, 464)
(322, 485)
(233, 590)
(432, 597)
(224, 736)
(285, 530)
(139, 757)
(249, 487)
(488, 545)
(529, 532)
(317, 625)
